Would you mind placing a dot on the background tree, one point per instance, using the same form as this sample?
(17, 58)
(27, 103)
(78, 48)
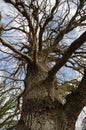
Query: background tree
(8, 111)
(39, 39)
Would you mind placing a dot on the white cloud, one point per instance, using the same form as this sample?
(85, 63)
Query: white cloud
(1, 73)
(81, 116)
(3, 7)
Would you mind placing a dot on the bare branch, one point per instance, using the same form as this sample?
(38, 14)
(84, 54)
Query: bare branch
(7, 44)
(48, 19)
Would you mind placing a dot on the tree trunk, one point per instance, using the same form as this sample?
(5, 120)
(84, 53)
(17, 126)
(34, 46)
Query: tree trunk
(40, 111)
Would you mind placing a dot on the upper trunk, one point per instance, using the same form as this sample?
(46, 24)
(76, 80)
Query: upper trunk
(40, 111)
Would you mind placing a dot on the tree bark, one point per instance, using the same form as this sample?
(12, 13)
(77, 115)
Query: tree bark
(40, 111)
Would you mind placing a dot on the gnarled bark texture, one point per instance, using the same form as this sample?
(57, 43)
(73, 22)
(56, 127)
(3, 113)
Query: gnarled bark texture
(40, 110)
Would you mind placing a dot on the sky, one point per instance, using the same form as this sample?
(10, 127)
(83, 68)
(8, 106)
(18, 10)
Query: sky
(3, 7)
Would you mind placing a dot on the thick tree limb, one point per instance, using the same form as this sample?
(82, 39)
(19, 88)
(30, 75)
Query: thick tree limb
(74, 46)
(71, 25)
(7, 44)
(77, 100)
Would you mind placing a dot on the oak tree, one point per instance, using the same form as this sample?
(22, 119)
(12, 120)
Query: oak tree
(38, 39)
